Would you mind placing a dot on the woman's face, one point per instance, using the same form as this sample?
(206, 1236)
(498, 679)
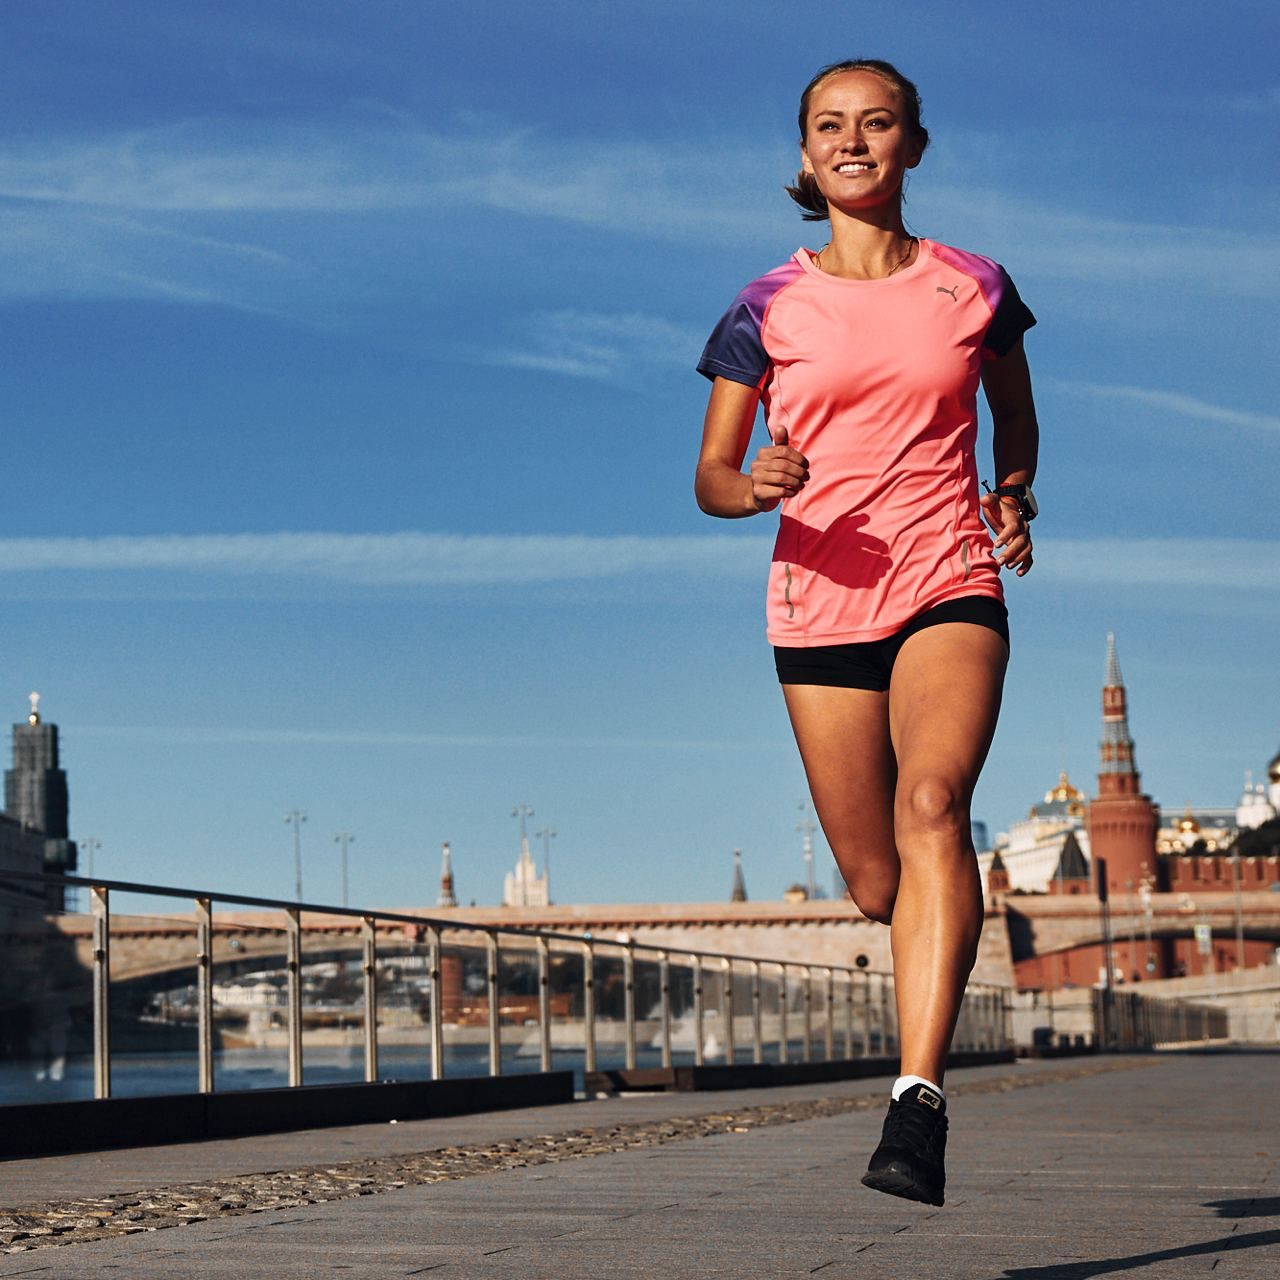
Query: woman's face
(857, 143)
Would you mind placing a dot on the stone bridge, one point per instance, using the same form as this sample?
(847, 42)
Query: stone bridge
(825, 932)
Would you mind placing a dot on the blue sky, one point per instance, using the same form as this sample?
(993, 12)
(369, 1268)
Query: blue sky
(350, 416)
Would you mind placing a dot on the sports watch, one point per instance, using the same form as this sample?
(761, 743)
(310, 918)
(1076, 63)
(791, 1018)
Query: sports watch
(1022, 495)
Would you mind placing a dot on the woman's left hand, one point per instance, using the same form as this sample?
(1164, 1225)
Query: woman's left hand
(1013, 539)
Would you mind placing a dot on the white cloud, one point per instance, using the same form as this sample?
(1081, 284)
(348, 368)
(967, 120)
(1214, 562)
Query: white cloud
(1170, 402)
(1181, 564)
(352, 738)
(393, 559)
(599, 344)
(436, 559)
(1054, 242)
(217, 169)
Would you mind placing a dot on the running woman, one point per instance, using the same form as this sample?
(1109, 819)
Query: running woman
(885, 606)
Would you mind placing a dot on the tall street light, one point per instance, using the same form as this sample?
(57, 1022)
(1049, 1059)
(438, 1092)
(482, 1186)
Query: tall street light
(807, 827)
(295, 817)
(344, 838)
(1235, 875)
(89, 846)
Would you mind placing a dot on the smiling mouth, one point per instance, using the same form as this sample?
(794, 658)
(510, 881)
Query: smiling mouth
(854, 168)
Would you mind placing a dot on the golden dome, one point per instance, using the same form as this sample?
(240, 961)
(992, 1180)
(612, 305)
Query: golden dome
(1063, 791)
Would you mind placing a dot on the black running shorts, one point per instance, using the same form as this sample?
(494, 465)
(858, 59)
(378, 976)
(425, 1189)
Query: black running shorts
(869, 664)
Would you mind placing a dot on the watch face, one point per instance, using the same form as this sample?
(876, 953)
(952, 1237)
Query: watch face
(1029, 501)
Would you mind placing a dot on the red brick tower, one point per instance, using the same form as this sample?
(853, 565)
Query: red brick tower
(1122, 821)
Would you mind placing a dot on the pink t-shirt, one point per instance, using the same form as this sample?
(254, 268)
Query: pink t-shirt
(875, 382)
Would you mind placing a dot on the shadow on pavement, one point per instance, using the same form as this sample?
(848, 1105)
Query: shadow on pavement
(1255, 1207)
(1108, 1266)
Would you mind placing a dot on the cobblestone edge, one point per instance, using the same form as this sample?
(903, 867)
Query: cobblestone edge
(104, 1217)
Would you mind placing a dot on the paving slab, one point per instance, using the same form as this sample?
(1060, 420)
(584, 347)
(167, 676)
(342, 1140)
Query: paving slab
(1167, 1167)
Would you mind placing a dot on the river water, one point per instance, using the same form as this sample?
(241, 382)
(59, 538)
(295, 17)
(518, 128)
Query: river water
(142, 1074)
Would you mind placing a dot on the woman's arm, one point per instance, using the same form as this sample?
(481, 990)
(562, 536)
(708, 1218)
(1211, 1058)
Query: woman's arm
(1007, 384)
(720, 486)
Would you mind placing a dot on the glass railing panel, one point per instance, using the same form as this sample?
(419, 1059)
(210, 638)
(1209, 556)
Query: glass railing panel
(332, 999)
(566, 971)
(404, 1002)
(682, 1019)
(250, 1005)
(714, 1036)
(771, 1012)
(611, 1005)
(153, 996)
(46, 994)
(648, 1009)
(464, 1002)
(519, 1023)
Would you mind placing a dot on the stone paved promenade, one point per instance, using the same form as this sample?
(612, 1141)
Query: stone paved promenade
(1160, 1166)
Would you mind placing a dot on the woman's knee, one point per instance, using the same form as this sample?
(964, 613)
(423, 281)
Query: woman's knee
(932, 804)
(873, 886)
(875, 904)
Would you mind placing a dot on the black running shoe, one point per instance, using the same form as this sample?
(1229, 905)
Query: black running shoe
(908, 1161)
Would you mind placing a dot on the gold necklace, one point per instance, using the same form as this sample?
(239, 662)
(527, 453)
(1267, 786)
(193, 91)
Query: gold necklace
(897, 266)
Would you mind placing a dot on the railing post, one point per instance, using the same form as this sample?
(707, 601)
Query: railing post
(589, 1002)
(204, 992)
(757, 1030)
(730, 1052)
(697, 1011)
(664, 1003)
(437, 1002)
(101, 992)
(491, 982)
(829, 1031)
(629, 1003)
(807, 1054)
(544, 1002)
(782, 1015)
(866, 1016)
(884, 1012)
(369, 938)
(848, 1013)
(293, 971)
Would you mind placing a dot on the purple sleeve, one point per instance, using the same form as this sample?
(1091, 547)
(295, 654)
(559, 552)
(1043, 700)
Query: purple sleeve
(735, 349)
(1010, 317)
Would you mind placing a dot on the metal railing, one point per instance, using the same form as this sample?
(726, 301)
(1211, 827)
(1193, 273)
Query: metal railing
(762, 1009)
(1096, 1018)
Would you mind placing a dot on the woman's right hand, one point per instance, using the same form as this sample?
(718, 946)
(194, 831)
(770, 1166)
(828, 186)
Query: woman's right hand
(778, 472)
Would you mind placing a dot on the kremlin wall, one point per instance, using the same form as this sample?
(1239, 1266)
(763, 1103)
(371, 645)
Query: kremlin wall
(1187, 896)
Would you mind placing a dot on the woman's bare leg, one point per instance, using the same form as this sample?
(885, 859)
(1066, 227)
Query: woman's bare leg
(944, 699)
(843, 735)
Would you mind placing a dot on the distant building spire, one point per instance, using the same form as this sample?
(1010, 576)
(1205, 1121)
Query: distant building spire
(35, 795)
(1117, 770)
(1113, 676)
(739, 893)
(1122, 821)
(447, 897)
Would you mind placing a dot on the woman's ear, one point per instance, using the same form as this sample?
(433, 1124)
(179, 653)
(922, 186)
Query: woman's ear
(806, 165)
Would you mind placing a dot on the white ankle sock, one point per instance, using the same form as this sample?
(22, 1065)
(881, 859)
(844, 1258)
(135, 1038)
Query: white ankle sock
(903, 1083)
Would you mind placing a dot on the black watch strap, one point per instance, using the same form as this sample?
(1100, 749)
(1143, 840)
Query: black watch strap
(1022, 494)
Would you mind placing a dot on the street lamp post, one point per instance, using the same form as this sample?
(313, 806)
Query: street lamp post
(90, 845)
(1144, 890)
(1235, 875)
(344, 838)
(807, 827)
(295, 817)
